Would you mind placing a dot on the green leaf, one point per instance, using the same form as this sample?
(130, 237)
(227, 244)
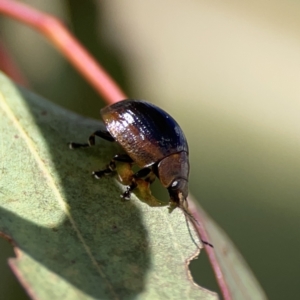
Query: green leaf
(73, 236)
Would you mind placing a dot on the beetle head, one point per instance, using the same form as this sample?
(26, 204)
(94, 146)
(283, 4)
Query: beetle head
(173, 172)
(178, 191)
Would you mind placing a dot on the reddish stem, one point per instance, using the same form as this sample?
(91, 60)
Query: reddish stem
(203, 235)
(53, 29)
(8, 66)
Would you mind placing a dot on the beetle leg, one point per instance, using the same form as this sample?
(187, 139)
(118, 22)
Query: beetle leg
(123, 158)
(126, 195)
(150, 178)
(143, 173)
(109, 169)
(112, 165)
(91, 142)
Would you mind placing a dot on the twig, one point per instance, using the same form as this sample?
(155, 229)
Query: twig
(55, 31)
(203, 235)
(8, 66)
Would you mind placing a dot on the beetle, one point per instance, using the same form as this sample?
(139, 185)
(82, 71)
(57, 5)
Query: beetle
(153, 140)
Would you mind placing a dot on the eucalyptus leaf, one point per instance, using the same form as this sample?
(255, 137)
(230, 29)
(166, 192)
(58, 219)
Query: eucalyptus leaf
(74, 237)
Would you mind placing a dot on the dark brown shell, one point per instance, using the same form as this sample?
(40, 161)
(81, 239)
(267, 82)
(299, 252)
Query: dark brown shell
(146, 132)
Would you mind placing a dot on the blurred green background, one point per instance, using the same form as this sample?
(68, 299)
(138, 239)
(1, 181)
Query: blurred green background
(229, 72)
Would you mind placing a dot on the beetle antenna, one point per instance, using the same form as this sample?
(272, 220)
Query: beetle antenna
(189, 216)
(189, 229)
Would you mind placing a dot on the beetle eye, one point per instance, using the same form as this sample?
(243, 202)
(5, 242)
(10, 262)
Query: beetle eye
(174, 184)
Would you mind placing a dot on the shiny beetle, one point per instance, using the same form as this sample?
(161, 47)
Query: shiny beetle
(153, 140)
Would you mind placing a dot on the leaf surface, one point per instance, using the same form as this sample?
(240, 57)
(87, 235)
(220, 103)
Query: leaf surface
(74, 238)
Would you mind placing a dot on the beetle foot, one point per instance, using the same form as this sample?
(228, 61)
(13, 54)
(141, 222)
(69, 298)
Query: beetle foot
(77, 145)
(126, 194)
(99, 174)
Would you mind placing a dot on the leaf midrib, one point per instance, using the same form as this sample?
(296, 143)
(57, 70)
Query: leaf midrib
(51, 182)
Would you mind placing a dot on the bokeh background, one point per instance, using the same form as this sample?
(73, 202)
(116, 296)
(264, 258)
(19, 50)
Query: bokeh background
(229, 72)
